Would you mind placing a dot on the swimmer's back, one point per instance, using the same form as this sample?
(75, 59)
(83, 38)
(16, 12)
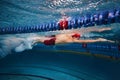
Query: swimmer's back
(63, 38)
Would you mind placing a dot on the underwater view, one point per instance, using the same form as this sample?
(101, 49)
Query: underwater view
(59, 39)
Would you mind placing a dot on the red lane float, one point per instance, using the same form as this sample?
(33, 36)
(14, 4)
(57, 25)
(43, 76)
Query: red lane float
(63, 24)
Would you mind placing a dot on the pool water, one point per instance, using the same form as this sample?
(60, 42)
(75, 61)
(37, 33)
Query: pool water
(35, 64)
(64, 62)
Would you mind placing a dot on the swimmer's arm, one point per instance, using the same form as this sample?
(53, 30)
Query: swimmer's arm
(86, 41)
(104, 29)
(91, 41)
(96, 30)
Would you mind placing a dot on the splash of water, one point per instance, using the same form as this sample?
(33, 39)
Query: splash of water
(15, 43)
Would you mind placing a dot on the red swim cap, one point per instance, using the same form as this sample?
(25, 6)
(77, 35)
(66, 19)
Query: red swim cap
(76, 35)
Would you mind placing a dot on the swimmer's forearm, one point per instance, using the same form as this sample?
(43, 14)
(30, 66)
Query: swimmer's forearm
(96, 40)
(96, 29)
(86, 41)
(104, 29)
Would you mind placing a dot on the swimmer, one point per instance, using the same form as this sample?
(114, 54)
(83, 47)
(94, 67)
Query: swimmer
(69, 38)
(61, 38)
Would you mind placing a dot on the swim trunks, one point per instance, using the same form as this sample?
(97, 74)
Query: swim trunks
(50, 41)
(63, 24)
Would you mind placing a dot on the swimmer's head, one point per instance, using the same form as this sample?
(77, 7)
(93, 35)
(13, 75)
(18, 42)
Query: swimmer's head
(76, 35)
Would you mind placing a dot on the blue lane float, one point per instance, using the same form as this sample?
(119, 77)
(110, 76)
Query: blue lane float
(103, 18)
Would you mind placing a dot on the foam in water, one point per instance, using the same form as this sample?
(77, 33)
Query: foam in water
(8, 44)
(26, 44)
(15, 43)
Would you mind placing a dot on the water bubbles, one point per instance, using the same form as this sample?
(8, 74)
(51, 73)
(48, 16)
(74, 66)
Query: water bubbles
(38, 10)
(77, 9)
